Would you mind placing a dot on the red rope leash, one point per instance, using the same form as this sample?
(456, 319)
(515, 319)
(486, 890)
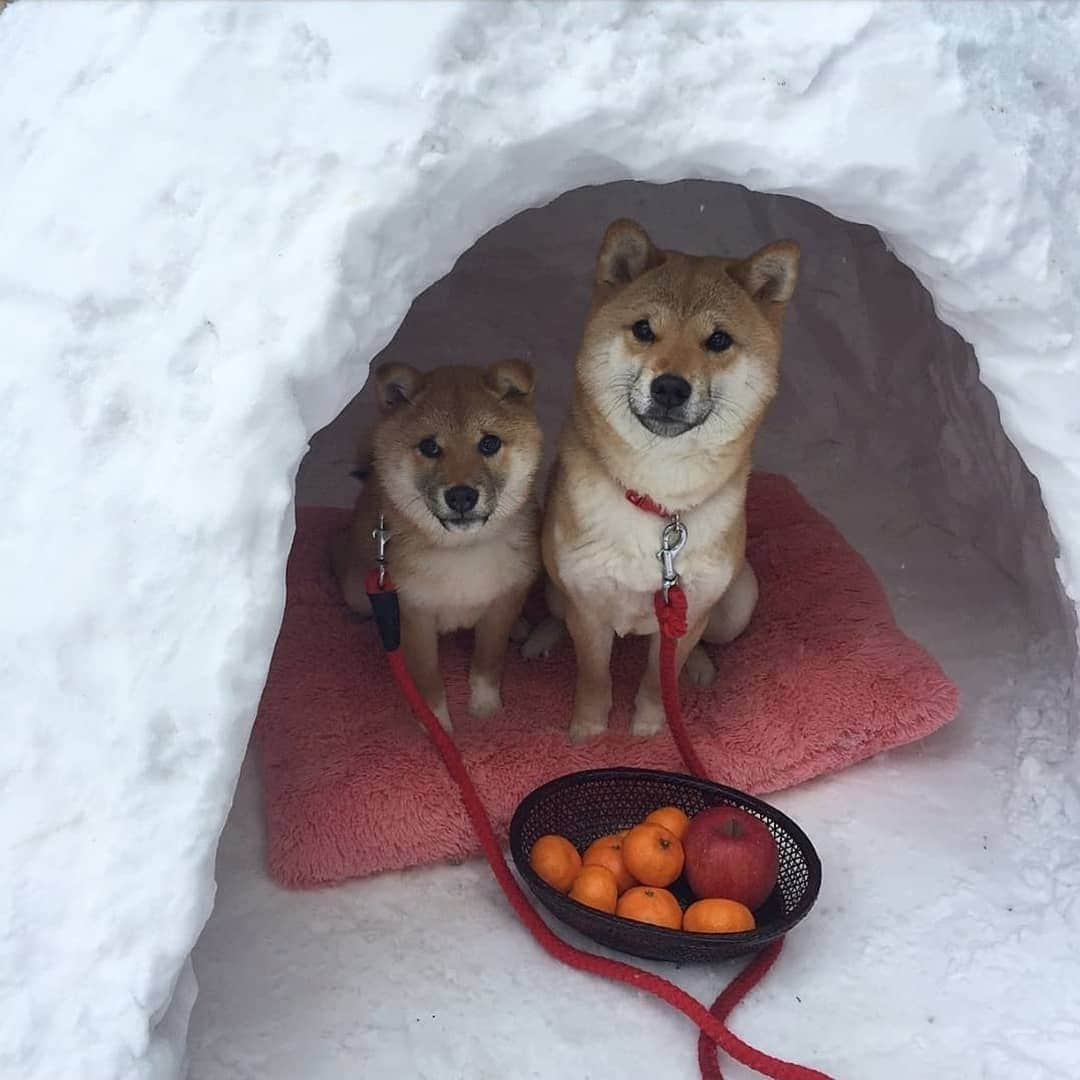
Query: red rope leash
(710, 1023)
(722, 1007)
(671, 617)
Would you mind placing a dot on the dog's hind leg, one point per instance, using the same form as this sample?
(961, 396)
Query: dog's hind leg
(699, 668)
(547, 634)
(732, 613)
(543, 638)
(350, 580)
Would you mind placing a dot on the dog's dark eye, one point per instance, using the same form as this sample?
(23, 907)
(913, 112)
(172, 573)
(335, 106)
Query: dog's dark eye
(718, 341)
(489, 444)
(429, 448)
(643, 331)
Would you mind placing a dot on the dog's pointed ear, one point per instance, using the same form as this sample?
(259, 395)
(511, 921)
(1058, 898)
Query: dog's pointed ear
(510, 380)
(770, 274)
(626, 252)
(396, 385)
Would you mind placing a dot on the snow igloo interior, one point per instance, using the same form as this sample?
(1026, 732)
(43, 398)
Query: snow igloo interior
(255, 213)
(884, 425)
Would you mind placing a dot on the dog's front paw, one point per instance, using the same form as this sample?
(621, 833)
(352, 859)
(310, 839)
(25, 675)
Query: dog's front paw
(443, 713)
(648, 716)
(484, 697)
(587, 723)
(543, 639)
(699, 668)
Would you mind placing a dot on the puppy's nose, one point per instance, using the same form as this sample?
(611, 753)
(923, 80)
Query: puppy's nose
(669, 391)
(461, 498)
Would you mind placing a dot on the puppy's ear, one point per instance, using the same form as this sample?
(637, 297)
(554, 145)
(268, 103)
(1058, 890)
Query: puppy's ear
(770, 274)
(626, 252)
(510, 380)
(396, 385)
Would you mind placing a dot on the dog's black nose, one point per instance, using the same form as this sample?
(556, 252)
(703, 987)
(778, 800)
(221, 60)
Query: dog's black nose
(670, 391)
(461, 498)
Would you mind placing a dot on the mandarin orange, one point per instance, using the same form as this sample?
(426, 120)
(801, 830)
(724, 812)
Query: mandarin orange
(607, 851)
(653, 854)
(595, 887)
(673, 819)
(556, 860)
(655, 906)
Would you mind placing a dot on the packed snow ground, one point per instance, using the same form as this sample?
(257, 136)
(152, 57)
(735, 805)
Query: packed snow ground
(211, 217)
(945, 943)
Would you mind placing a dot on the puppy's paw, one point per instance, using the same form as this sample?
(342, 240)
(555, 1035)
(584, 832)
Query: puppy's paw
(648, 716)
(584, 730)
(484, 697)
(519, 632)
(699, 668)
(443, 713)
(543, 639)
(587, 723)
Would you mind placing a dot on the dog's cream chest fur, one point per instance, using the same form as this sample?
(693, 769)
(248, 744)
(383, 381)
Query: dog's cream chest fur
(614, 553)
(457, 584)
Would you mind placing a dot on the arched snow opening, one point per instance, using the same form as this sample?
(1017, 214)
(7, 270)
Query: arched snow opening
(881, 421)
(214, 214)
(872, 381)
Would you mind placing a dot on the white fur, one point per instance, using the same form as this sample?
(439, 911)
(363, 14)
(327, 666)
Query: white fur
(615, 554)
(648, 716)
(459, 583)
(443, 714)
(699, 668)
(544, 637)
(517, 488)
(484, 697)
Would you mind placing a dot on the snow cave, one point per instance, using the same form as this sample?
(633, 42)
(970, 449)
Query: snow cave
(216, 217)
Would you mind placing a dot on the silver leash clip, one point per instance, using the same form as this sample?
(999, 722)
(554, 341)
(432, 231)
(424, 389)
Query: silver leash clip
(381, 535)
(672, 541)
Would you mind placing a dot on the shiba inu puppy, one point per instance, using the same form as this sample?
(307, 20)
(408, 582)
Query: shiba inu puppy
(452, 467)
(678, 364)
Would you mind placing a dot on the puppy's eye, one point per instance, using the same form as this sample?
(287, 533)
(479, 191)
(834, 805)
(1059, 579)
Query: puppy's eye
(489, 444)
(643, 331)
(429, 448)
(718, 341)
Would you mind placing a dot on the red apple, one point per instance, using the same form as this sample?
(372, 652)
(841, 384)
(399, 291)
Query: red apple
(730, 855)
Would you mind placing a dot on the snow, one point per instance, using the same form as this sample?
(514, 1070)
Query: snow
(881, 422)
(213, 215)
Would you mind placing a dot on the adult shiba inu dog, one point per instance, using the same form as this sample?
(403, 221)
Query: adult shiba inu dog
(452, 467)
(677, 366)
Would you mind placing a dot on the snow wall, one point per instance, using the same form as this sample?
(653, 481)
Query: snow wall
(213, 216)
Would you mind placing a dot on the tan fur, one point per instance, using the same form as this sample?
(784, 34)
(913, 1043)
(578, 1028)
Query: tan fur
(450, 575)
(599, 550)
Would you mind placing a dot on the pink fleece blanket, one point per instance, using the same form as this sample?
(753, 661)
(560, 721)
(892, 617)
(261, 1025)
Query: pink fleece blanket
(822, 678)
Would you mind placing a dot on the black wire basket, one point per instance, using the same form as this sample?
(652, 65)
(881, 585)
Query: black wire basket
(584, 806)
